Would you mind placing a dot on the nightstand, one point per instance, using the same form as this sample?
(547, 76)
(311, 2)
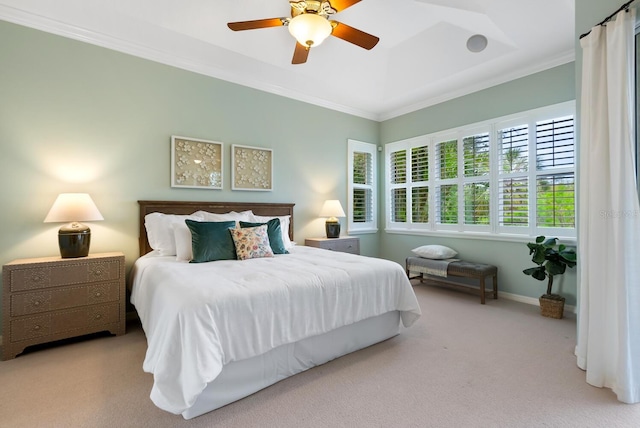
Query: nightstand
(51, 298)
(345, 244)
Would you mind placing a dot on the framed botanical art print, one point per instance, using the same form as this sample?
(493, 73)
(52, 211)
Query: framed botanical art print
(196, 164)
(251, 168)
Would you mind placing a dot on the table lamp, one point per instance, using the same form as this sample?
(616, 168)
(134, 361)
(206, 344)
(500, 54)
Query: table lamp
(332, 209)
(74, 238)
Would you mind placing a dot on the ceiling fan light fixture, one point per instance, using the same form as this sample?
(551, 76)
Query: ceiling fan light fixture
(310, 29)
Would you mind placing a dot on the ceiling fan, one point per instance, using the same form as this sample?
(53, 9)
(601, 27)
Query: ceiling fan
(310, 25)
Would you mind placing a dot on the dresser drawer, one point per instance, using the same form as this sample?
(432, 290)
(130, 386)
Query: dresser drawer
(34, 302)
(344, 245)
(66, 273)
(63, 322)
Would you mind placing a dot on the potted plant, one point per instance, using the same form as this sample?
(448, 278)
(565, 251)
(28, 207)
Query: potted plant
(551, 259)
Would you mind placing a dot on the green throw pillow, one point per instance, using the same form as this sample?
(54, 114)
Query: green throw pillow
(211, 240)
(274, 231)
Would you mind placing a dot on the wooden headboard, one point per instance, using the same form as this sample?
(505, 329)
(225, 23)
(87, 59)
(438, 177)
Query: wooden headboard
(189, 207)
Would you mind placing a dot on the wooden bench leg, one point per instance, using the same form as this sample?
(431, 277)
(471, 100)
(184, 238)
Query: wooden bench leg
(482, 290)
(495, 286)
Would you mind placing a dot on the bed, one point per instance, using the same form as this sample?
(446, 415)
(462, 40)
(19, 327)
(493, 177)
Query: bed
(222, 330)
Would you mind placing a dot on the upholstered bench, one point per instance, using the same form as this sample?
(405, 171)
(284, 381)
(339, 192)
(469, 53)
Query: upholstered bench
(477, 271)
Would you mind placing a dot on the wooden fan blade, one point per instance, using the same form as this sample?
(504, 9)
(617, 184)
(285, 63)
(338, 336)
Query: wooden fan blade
(340, 5)
(300, 54)
(353, 35)
(258, 23)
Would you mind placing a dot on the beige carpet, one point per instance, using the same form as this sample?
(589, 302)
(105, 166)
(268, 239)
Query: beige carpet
(461, 365)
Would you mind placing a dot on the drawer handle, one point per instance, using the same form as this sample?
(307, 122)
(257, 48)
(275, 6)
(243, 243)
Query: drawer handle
(97, 272)
(36, 303)
(98, 316)
(98, 294)
(36, 327)
(37, 278)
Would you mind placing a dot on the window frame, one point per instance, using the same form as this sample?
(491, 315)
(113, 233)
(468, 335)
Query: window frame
(371, 226)
(492, 127)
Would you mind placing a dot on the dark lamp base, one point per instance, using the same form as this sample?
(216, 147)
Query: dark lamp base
(74, 241)
(332, 229)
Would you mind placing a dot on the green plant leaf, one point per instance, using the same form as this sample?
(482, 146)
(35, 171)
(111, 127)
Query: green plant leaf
(539, 255)
(539, 239)
(555, 267)
(536, 272)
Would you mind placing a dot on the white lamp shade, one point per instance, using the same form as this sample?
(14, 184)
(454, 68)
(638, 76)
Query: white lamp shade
(332, 208)
(310, 29)
(70, 207)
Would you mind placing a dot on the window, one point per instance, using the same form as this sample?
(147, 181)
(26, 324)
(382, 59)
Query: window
(509, 176)
(362, 189)
(409, 186)
(476, 162)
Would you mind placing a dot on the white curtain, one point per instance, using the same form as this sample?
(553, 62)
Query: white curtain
(608, 345)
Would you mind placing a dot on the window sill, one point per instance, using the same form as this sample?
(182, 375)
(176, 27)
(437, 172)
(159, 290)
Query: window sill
(572, 241)
(361, 231)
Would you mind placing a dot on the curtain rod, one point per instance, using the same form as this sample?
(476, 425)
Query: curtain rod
(624, 7)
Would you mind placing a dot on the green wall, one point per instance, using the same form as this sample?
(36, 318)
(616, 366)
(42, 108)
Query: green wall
(552, 86)
(75, 117)
(79, 118)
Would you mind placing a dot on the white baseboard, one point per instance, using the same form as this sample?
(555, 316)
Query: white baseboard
(510, 296)
(529, 300)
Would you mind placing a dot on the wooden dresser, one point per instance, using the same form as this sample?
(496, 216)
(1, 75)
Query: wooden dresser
(51, 298)
(345, 244)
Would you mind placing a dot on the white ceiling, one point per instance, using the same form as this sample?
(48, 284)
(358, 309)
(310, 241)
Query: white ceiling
(421, 58)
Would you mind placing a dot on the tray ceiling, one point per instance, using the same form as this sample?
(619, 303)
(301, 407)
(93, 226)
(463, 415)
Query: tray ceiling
(421, 58)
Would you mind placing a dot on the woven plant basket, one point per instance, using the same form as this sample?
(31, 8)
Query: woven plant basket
(552, 306)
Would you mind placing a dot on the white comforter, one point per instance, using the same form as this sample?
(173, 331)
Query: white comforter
(199, 317)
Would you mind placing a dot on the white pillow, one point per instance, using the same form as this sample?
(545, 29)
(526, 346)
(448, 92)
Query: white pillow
(437, 252)
(182, 234)
(160, 234)
(231, 215)
(284, 226)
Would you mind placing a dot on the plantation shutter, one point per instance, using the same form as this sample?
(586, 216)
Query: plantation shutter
(514, 202)
(555, 196)
(555, 179)
(398, 167)
(362, 182)
(398, 176)
(447, 204)
(361, 187)
(399, 205)
(476, 203)
(419, 180)
(513, 149)
(447, 160)
(476, 155)
(513, 184)
(555, 144)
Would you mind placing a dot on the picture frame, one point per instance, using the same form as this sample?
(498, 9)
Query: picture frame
(196, 163)
(251, 168)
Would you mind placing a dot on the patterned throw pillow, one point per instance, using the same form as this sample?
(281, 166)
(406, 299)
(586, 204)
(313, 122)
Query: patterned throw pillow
(274, 232)
(251, 242)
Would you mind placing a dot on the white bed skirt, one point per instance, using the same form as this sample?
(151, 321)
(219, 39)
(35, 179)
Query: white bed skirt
(242, 378)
